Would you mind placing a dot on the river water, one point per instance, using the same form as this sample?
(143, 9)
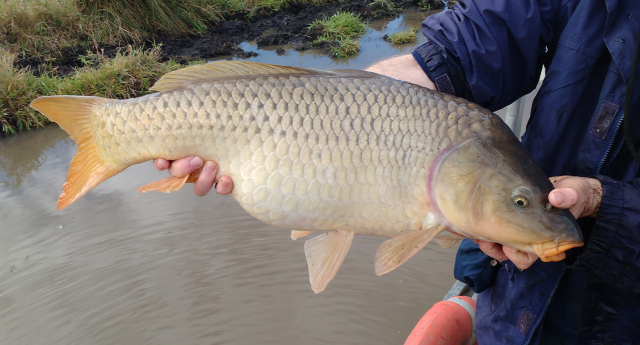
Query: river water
(119, 267)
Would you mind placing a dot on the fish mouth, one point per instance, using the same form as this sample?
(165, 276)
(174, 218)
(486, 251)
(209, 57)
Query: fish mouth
(554, 251)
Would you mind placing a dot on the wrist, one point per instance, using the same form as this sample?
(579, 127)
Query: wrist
(403, 67)
(595, 197)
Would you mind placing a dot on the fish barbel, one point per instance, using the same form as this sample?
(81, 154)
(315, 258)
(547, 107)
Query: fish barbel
(347, 152)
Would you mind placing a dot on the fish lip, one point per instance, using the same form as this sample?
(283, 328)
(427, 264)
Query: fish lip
(554, 251)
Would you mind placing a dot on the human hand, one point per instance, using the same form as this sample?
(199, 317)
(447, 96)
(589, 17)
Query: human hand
(581, 195)
(521, 259)
(205, 180)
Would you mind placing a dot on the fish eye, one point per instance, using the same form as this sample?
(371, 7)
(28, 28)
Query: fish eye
(522, 196)
(521, 201)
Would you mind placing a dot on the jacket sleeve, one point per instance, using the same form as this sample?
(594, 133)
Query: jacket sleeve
(613, 250)
(473, 267)
(500, 45)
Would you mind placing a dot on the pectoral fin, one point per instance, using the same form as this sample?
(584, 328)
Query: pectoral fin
(296, 234)
(447, 239)
(394, 252)
(445, 243)
(169, 184)
(325, 254)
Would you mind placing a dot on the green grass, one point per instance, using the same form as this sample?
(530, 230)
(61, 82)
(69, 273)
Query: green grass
(340, 26)
(41, 28)
(134, 19)
(403, 37)
(345, 48)
(129, 74)
(424, 5)
(384, 8)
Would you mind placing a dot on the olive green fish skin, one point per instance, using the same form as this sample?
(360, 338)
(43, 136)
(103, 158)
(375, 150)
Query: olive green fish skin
(304, 152)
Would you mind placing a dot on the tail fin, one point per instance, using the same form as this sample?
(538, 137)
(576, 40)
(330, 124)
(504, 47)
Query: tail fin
(87, 169)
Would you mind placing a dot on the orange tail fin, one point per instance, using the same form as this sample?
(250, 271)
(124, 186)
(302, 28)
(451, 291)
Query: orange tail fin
(87, 169)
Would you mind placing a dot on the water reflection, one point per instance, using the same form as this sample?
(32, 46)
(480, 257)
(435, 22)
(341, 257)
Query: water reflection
(20, 155)
(119, 267)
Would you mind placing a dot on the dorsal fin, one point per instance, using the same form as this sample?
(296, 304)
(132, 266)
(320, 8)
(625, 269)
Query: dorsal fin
(224, 69)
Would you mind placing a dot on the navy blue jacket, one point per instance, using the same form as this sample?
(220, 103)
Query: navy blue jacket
(492, 52)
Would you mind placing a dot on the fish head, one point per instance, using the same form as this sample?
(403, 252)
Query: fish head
(499, 194)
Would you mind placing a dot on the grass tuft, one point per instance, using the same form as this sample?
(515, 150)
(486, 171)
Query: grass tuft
(341, 26)
(403, 37)
(345, 48)
(128, 74)
(383, 8)
(17, 89)
(41, 28)
(133, 19)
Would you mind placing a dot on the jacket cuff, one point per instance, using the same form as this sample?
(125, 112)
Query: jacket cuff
(443, 69)
(611, 209)
(604, 235)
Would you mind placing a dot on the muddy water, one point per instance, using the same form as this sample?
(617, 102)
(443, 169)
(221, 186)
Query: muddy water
(119, 267)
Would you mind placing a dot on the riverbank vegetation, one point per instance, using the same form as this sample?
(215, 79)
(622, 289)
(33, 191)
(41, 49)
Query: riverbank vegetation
(402, 37)
(118, 48)
(128, 74)
(340, 31)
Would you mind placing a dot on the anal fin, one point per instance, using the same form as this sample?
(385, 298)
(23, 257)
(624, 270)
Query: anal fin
(296, 234)
(396, 251)
(325, 254)
(169, 184)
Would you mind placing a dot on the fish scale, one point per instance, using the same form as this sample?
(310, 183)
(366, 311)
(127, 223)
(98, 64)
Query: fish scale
(354, 157)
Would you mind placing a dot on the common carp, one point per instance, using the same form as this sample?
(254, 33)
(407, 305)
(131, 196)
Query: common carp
(344, 152)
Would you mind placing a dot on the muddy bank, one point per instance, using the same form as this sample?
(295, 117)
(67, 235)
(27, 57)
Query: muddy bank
(288, 26)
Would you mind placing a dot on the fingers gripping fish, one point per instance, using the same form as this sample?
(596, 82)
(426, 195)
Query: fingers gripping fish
(346, 152)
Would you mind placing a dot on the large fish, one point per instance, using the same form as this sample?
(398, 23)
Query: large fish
(345, 152)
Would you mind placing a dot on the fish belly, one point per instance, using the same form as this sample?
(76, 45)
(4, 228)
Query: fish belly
(304, 152)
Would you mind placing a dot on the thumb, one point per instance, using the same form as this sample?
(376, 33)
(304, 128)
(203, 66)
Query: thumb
(563, 197)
